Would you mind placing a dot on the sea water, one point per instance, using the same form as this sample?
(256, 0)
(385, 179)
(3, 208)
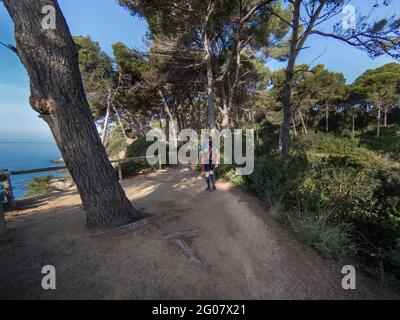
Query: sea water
(25, 156)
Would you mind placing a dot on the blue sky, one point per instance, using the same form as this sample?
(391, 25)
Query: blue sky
(103, 20)
(108, 23)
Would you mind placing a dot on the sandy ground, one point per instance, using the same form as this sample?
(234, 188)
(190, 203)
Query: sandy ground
(244, 252)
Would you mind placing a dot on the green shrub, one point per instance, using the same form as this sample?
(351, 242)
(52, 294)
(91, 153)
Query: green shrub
(368, 199)
(387, 144)
(338, 185)
(229, 173)
(336, 182)
(117, 143)
(275, 179)
(138, 148)
(39, 187)
(391, 256)
(325, 143)
(133, 167)
(388, 193)
(321, 145)
(330, 240)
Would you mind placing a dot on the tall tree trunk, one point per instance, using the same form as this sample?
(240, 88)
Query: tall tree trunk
(327, 118)
(303, 123)
(296, 44)
(166, 106)
(110, 103)
(210, 82)
(225, 111)
(238, 66)
(120, 122)
(294, 126)
(354, 126)
(160, 121)
(378, 128)
(385, 117)
(168, 112)
(57, 94)
(106, 121)
(179, 119)
(289, 75)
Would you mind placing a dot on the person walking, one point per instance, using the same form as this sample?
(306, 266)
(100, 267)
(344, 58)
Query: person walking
(209, 164)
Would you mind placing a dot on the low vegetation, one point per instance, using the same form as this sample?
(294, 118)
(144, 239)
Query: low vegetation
(117, 145)
(39, 187)
(340, 195)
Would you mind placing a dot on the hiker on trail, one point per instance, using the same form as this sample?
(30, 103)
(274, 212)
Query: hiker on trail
(209, 164)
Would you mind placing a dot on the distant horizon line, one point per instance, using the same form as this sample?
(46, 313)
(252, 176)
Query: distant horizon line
(11, 141)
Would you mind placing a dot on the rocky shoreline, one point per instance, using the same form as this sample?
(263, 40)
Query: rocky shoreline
(47, 184)
(61, 160)
(61, 184)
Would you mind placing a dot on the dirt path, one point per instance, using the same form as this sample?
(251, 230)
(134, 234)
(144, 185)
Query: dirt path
(245, 253)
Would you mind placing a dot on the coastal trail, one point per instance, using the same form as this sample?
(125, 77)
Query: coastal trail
(226, 246)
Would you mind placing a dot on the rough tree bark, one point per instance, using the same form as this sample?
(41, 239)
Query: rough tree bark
(294, 126)
(303, 123)
(385, 116)
(238, 66)
(239, 45)
(106, 119)
(289, 75)
(378, 127)
(327, 117)
(168, 112)
(120, 122)
(210, 82)
(296, 45)
(225, 111)
(57, 94)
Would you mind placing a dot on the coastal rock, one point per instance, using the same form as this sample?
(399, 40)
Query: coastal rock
(61, 184)
(61, 160)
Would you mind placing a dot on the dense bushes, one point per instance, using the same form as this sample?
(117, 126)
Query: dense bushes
(276, 179)
(333, 241)
(340, 197)
(138, 148)
(116, 143)
(340, 186)
(388, 143)
(133, 167)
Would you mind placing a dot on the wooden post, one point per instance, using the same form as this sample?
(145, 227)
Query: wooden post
(3, 229)
(9, 192)
(6, 180)
(120, 171)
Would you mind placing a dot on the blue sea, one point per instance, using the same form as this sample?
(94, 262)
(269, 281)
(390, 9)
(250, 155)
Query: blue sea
(28, 155)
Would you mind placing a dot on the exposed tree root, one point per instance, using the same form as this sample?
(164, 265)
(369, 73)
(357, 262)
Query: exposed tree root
(138, 224)
(189, 251)
(183, 234)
